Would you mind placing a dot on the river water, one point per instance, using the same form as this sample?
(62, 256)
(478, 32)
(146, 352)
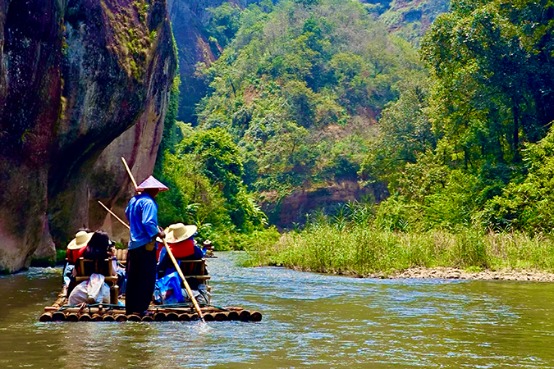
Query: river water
(309, 321)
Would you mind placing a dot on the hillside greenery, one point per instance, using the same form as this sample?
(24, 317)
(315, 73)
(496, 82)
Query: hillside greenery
(308, 92)
(301, 87)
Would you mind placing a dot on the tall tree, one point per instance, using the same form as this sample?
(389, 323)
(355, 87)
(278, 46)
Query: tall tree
(492, 62)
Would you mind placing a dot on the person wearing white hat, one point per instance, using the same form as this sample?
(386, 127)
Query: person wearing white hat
(142, 213)
(73, 252)
(180, 239)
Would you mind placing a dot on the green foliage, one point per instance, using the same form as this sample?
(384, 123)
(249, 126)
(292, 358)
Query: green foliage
(527, 204)
(142, 9)
(224, 23)
(395, 214)
(405, 133)
(204, 173)
(220, 163)
(299, 89)
(192, 199)
(489, 72)
(453, 152)
(356, 245)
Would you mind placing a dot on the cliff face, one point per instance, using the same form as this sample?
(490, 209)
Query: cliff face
(189, 19)
(82, 83)
(409, 19)
(290, 211)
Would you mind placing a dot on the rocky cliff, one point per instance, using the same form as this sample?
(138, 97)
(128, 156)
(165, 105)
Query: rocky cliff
(82, 83)
(190, 19)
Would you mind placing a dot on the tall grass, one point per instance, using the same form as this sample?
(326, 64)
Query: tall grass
(361, 248)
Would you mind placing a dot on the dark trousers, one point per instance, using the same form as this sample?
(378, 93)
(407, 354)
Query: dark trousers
(141, 278)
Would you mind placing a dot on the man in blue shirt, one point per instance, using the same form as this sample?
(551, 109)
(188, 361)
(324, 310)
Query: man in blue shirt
(142, 213)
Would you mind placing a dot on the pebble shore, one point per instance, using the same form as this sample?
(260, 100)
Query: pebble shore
(453, 273)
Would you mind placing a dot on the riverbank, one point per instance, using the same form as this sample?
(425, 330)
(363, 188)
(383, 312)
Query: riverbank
(455, 273)
(369, 252)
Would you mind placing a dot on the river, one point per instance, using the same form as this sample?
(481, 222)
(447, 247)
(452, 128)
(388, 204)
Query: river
(309, 321)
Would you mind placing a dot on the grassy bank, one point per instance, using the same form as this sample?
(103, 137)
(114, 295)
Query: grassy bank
(355, 249)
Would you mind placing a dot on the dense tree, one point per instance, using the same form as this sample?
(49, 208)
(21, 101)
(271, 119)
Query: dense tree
(493, 75)
(205, 173)
(527, 204)
(297, 83)
(404, 134)
(224, 23)
(451, 153)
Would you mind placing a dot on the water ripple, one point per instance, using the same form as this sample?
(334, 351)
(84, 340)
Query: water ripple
(309, 320)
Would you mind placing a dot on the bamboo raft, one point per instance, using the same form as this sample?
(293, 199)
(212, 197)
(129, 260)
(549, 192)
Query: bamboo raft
(60, 312)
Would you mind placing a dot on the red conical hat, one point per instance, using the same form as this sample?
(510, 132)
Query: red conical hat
(153, 183)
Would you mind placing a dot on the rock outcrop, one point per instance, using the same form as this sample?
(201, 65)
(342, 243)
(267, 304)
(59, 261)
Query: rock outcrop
(290, 211)
(82, 83)
(189, 19)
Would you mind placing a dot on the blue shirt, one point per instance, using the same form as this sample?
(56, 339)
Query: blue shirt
(142, 213)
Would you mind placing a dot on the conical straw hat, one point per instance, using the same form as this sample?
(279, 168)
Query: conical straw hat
(152, 183)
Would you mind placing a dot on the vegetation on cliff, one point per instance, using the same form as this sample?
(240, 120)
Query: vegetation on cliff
(300, 88)
(318, 91)
(204, 170)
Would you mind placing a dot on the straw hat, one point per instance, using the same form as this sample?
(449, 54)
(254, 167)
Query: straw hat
(152, 183)
(81, 240)
(179, 232)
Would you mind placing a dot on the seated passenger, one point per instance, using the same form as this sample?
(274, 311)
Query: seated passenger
(94, 290)
(180, 239)
(73, 252)
(208, 249)
(100, 247)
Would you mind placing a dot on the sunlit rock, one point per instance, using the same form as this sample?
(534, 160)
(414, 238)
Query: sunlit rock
(76, 79)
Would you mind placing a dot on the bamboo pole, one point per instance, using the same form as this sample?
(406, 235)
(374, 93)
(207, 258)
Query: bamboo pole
(171, 316)
(113, 214)
(256, 316)
(147, 318)
(85, 318)
(45, 317)
(129, 172)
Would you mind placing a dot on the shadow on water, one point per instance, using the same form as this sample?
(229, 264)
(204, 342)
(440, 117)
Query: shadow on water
(309, 320)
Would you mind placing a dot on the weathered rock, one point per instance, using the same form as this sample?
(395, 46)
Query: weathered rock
(77, 78)
(292, 209)
(189, 19)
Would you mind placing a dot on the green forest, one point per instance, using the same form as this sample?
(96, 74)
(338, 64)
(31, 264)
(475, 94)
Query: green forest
(450, 128)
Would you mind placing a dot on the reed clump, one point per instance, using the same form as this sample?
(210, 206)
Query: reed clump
(361, 248)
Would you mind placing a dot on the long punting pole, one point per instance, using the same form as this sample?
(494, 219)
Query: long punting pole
(115, 216)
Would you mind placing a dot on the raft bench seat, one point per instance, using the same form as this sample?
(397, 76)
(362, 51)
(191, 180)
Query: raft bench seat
(86, 267)
(121, 255)
(194, 269)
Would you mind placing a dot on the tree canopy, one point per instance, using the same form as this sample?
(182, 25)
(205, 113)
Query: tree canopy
(300, 88)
